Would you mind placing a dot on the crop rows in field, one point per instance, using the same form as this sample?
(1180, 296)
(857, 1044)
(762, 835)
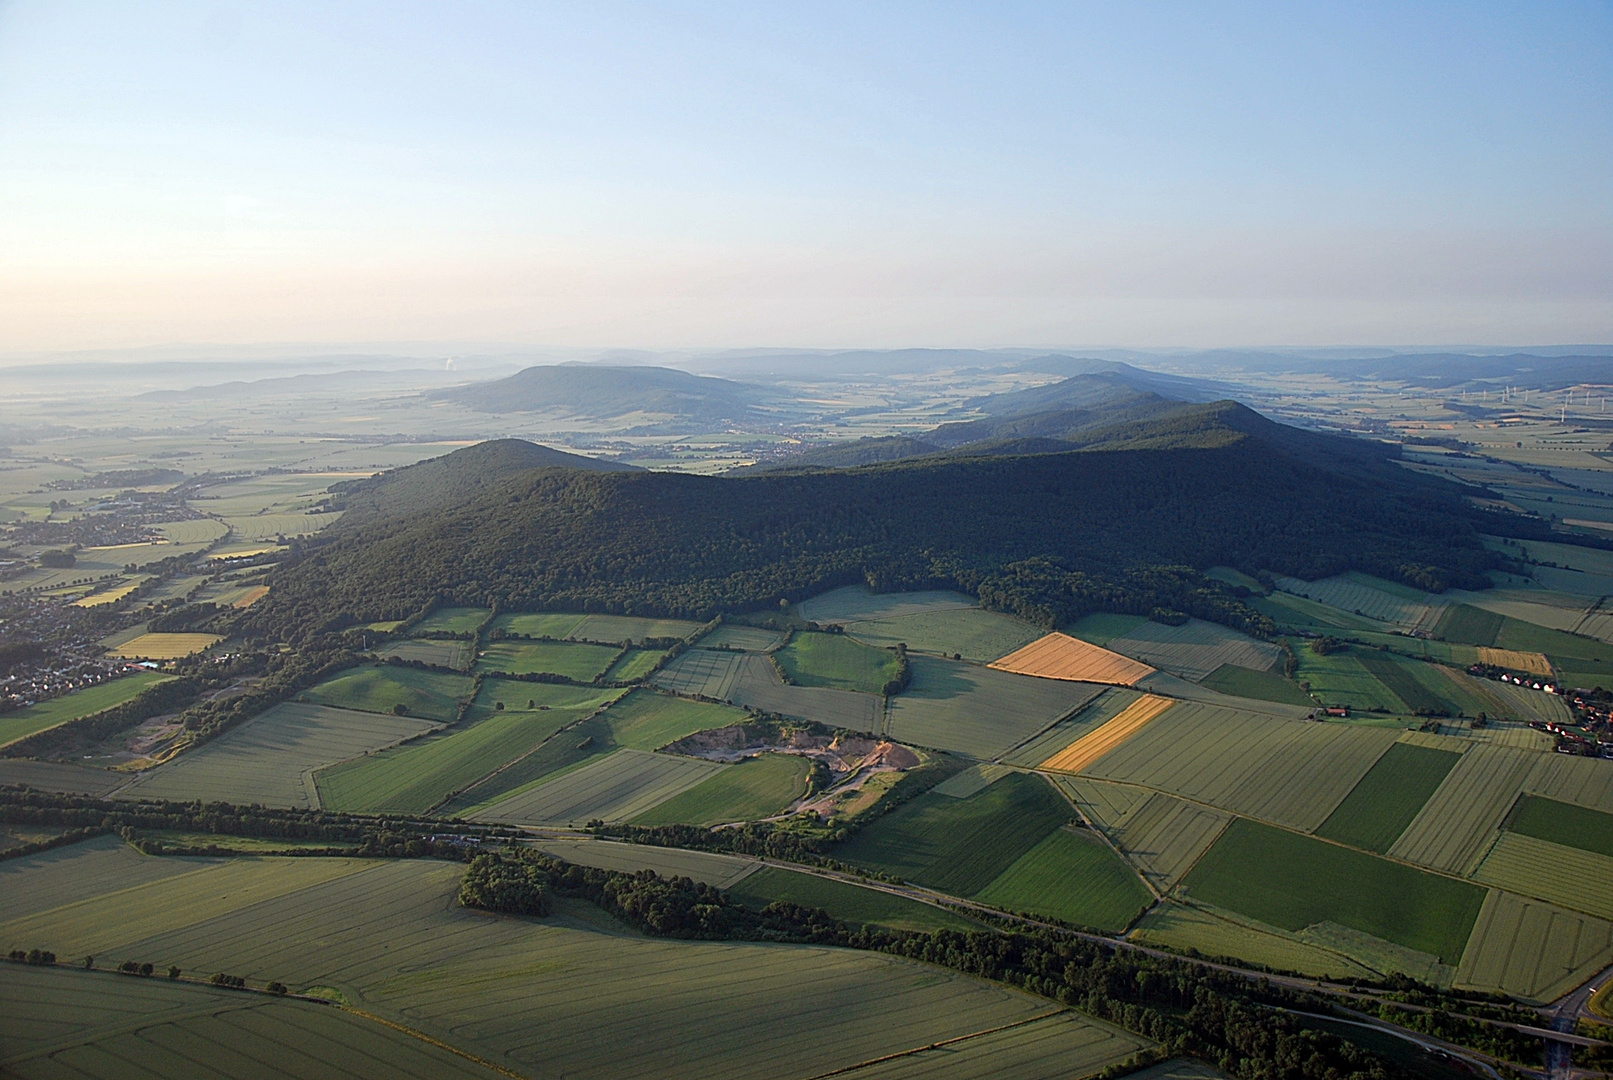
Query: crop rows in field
(165, 646)
(1060, 656)
(1163, 682)
(755, 788)
(645, 720)
(1389, 797)
(571, 659)
(1092, 746)
(393, 938)
(1216, 933)
(381, 688)
(271, 758)
(1524, 704)
(1110, 703)
(418, 776)
(271, 526)
(603, 629)
(1420, 686)
(743, 638)
(1469, 625)
(1532, 949)
(1382, 601)
(1532, 662)
(1294, 881)
(1559, 611)
(612, 788)
(451, 620)
(21, 723)
(1339, 678)
(59, 776)
(1566, 876)
(1163, 836)
(978, 711)
(854, 603)
(1455, 826)
(1259, 685)
(705, 672)
(1291, 772)
(974, 778)
(972, 633)
(438, 652)
(844, 900)
(1196, 648)
(51, 879)
(195, 531)
(1563, 823)
(757, 685)
(97, 1026)
(1071, 875)
(634, 665)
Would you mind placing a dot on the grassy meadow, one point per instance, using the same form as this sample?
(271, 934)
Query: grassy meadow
(31, 719)
(757, 787)
(573, 660)
(382, 688)
(837, 661)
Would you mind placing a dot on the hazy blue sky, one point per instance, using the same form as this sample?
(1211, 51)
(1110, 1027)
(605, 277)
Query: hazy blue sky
(755, 174)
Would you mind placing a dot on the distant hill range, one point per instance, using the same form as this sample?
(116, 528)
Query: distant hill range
(601, 392)
(1124, 524)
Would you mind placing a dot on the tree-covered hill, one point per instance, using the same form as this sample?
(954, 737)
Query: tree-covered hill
(1047, 535)
(602, 391)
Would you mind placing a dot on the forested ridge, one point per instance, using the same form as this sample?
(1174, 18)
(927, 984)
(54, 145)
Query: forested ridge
(1048, 536)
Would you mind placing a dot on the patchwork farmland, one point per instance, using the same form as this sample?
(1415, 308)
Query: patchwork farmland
(1095, 744)
(977, 711)
(1195, 649)
(1059, 656)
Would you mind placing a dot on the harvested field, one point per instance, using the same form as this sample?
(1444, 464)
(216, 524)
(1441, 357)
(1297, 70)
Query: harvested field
(1163, 836)
(1060, 656)
(1563, 823)
(96, 1025)
(1260, 685)
(1291, 772)
(537, 625)
(1073, 876)
(613, 629)
(972, 633)
(634, 665)
(1569, 877)
(705, 672)
(451, 620)
(250, 597)
(1293, 881)
(1095, 744)
(1468, 625)
(1196, 648)
(723, 871)
(1103, 708)
(381, 688)
(571, 659)
(837, 661)
(1533, 950)
(1457, 824)
(1532, 662)
(845, 901)
(1385, 601)
(613, 788)
(58, 776)
(743, 638)
(757, 686)
(1049, 1048)
(392, 939)
(960, 845)
(438, 652)
(1389, 797)
(271, 758)
(32, 719)
(645, 720)
(854, 603)
(755, 788)
(1185, 926)
(977, 711)
(165, 646)
(416, 777)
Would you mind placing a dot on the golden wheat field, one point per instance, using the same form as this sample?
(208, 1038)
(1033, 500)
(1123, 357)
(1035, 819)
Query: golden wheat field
(1094, 744)
(1060, 656)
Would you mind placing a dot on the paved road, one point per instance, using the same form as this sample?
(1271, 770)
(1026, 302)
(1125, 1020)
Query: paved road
(1559, 1055)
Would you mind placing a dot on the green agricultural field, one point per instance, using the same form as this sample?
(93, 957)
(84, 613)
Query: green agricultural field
(48, 714)
(438, 652)
(537, 625)
(1532, 949)
(723, 871)
(1460, 820)
(960, 845)
(451, 620)
(634, 665)
(746, 638)
(1102, 627)
(1293, 881)
(976, 711)
(1162, 836)
(1423, 691)
(854, 603)
(553, 997)
(613, 629)
(1569, 877)
(755, 788)
(1527, 637)
(51, 879)
(971, 633)
(615, 787)
(1260, 685)
(645, 720)
(571, 659)
(837, 661)
(1107, 705)
(1291, 772)
(1216, 933)
(416, 777)
(1562, 823)
(93, 1025)
(59, 776)
(271, 758)
(381, 688)
(707, 672)
(1339, 678)
(1469, 625)
(1389, 797)
(843, 900)
(1071, 876)
(1195, 649)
